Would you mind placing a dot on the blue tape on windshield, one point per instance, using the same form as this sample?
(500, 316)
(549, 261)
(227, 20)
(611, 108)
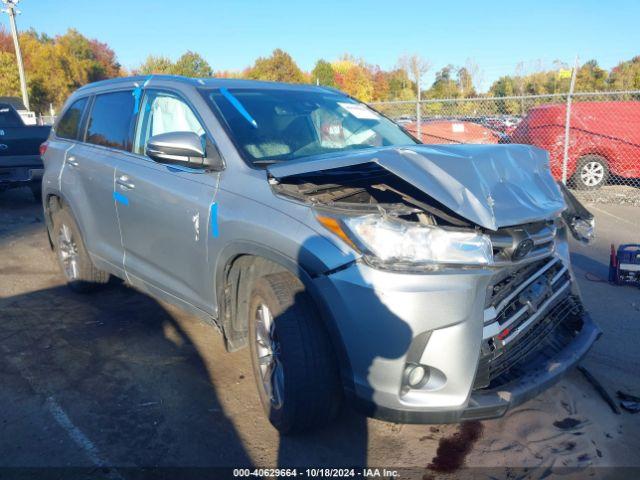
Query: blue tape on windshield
(214, 220)
(120, 198)
(238, 106)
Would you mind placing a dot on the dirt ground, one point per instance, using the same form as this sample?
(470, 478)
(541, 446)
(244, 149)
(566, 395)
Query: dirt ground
(115, 380)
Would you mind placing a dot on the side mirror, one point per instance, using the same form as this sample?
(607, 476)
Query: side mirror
(183, 148)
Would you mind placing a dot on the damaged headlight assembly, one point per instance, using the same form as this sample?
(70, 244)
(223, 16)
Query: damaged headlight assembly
(389, 241)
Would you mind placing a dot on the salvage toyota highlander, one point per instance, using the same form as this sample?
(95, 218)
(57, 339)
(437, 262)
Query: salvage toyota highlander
(422, 283)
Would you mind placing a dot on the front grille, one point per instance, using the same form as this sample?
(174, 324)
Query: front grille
(541, 341)
(505, 241)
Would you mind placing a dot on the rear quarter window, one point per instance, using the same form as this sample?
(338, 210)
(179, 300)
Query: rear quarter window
(111, 119)
(69, 124)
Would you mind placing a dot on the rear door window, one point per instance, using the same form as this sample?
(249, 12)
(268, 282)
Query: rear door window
(111, 119)
(69, 124)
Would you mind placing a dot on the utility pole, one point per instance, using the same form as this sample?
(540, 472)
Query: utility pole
(567, 121)
(12, 11)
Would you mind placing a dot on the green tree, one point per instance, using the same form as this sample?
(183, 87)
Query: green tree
(191, 64)
(444, 85)
(504, 87)
(156, 65)
(591, 78)
(279, 67)
(323, 74)
(400, 86)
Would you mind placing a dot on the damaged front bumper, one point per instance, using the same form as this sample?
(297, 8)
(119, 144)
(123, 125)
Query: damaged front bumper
(443, 321)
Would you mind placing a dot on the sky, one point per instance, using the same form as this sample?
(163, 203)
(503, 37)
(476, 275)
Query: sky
(230, 35)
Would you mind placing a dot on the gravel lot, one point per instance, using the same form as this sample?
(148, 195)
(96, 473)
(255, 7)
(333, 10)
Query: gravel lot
(116, 380)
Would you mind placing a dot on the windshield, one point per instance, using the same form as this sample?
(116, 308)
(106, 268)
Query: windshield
(270, 126)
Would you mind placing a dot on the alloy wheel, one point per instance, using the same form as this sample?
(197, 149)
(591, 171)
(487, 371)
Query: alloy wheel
(68, 252)
(592, 174)
(268, 351)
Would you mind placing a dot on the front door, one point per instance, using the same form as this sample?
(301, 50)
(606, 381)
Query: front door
(164, 210)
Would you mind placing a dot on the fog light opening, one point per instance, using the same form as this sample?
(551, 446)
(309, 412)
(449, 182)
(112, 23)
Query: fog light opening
(416, 375)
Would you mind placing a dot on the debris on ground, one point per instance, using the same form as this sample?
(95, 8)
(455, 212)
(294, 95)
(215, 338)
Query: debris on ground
(600, 389)
(631, 403)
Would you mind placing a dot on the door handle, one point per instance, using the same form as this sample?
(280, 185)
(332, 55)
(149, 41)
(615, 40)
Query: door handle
(72, 161)
(125, 182)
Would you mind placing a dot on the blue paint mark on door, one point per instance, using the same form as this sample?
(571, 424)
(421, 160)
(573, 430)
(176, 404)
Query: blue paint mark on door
(214, 220)
(120, 198)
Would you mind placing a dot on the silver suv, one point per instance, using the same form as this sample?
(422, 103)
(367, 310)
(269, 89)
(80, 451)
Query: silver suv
(422, 283)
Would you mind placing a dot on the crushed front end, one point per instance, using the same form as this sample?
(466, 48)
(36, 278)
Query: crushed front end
(454, 310)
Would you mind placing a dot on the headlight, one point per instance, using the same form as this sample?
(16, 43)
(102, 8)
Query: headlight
(396, 241)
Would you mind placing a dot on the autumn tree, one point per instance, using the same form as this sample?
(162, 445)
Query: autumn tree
(626, 75)
(55, 67)
(353, 78)
(279, 67)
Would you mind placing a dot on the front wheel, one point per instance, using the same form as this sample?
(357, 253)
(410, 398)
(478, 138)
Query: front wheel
(592, 173)
(293, 362)
(77, 267)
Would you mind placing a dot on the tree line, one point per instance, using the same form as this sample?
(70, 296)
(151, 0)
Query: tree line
(56, 66)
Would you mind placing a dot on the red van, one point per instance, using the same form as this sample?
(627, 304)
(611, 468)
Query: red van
(604, 140)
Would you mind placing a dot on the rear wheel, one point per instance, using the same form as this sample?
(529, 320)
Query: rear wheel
(592, 173)
(76, 265)
(293, 362)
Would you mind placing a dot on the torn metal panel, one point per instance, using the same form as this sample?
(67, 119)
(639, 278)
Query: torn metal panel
(490, 185)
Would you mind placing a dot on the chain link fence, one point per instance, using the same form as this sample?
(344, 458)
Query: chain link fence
(593, 139)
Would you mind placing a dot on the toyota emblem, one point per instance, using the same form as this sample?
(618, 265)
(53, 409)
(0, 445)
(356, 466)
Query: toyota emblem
(523, 249)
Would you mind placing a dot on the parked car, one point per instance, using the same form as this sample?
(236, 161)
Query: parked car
(20, 163)
(421, 283)
(505, 124)
(604, 140)
(453, 131)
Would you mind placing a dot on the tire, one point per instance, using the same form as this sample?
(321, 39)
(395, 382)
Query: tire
(80, 273)
(303, 371)
(591, 173)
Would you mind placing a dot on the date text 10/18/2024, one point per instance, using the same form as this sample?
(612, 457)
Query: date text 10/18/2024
(316, 472)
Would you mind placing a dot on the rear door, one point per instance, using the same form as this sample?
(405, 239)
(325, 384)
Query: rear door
(164, 210)
(88, 175)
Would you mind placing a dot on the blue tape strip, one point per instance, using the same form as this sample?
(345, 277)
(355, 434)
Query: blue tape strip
(238, 106)
(214, 220)
(137, 94)
(180, 168)
(120, 198)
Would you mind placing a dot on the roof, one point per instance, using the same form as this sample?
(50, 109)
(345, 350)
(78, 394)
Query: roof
(15, 102)
(207, 82)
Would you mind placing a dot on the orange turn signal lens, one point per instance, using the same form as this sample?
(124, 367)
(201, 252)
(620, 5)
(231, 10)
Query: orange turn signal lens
(334, 226)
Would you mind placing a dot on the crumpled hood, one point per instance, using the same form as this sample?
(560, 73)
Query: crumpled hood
(490, 185)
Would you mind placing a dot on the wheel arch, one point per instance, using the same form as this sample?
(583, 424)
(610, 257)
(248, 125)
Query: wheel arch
(238, 267)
